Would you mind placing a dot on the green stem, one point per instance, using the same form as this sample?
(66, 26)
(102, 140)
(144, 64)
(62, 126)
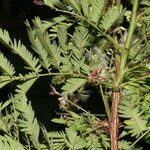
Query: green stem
(132, 25)
(125, 52)
(80, 108)
(106, 104)
(28, 76)
(77, 106)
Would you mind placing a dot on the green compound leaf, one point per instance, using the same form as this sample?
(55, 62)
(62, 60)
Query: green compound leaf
(7, 143)
(6, 66)
(73, 84)
(111, 16)
(97, 7)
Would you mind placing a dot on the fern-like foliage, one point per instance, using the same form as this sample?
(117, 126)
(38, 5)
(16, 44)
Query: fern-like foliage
(6, 66)
(4, 80)
(20, 49)
(80, 133)
(73, 141)
(130, 109)
(97, 10)
(38, 48)
(48, 51)
(123, 145)
(93, 143)
(75, 5)
(7, 143)
(111, 17)
(136, 123)
(55, 140)
(7, 70)
(93, 11)
(81, 37)
(62, 35)
(73, 84)
(28, 123)
(75, 49)
(23, 116)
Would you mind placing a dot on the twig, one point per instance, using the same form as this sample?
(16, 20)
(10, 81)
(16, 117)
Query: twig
(114, 120)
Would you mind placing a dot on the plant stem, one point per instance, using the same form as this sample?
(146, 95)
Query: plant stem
(28, 76)
(132, 25)
(105, 101)
(124, 54)
(128, 42)
(77, 106)
(120, 74)
(114, 121)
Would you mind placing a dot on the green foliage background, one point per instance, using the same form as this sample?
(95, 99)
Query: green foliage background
(77, 49)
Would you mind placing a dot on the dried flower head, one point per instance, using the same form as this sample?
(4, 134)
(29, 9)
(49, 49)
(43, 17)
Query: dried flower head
(97, 75)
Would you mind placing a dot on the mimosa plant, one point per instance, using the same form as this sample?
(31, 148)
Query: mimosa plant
(88, 43)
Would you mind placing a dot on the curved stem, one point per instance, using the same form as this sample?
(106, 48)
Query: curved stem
(105, 101)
